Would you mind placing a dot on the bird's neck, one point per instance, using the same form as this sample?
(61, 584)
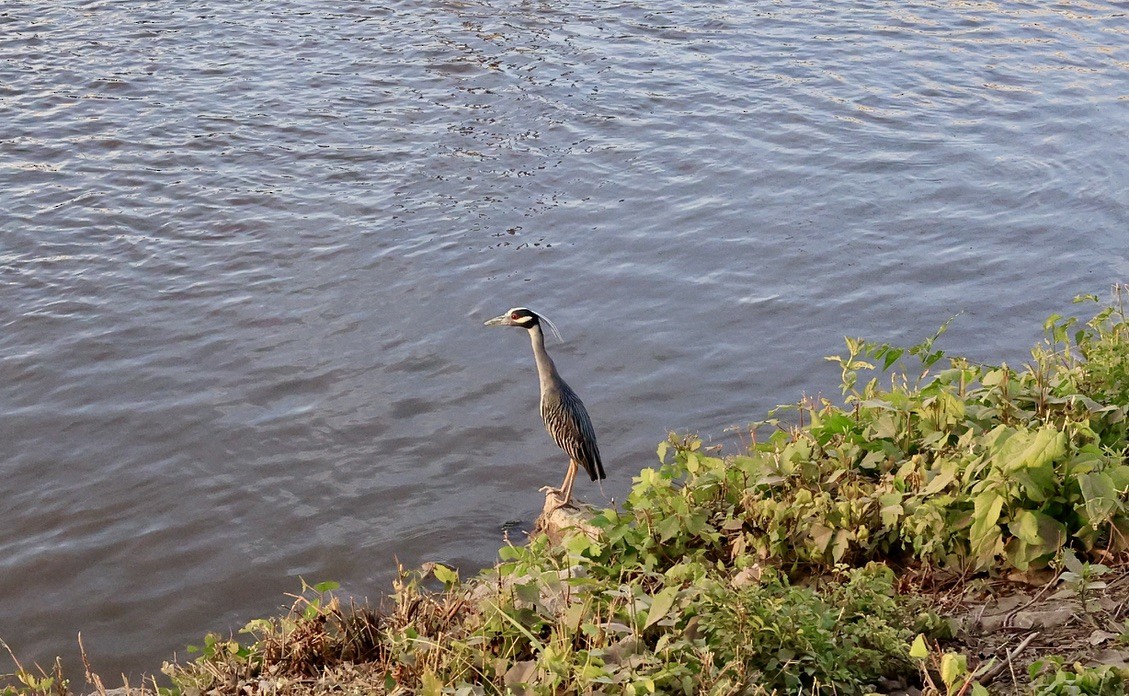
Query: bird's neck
(546, 370)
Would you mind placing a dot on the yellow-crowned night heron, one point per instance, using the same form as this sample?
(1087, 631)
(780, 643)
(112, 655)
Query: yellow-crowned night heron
(565, 417)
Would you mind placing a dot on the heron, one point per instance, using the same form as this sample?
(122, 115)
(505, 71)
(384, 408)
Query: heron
(564, 414)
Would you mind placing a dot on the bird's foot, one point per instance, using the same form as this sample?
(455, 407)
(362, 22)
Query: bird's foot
(564, 504)
(558, 493)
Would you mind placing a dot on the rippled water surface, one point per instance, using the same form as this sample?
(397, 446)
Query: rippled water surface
(246, 250)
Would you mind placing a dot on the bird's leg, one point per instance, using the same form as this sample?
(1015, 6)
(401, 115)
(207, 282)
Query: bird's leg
(566, 487)
(564, 484)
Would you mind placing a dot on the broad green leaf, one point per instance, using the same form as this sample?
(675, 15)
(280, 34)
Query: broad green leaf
(1028, 457)
(660, 605)
(1071, 563)
(984, 536)
(986, 509)
(1101, 496)
(1038, 537)
(528, 592)
(835, 424)
(1087, 458)
(445, 575)
(574, 615)
(668, 528)
(695, 523)
(1025, 556)
(1120, 477)
(890, 508)
(578, 544)
(886, 426)
(993, 378)
(953, 667)
(919, 650)
(1048, 445)
(872, 460)
(891, 356)
(939, 483)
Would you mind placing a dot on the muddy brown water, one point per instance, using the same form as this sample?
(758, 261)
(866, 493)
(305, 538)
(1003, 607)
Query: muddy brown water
(246, 250)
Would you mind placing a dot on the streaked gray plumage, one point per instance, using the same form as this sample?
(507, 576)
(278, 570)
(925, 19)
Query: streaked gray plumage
(564, 414)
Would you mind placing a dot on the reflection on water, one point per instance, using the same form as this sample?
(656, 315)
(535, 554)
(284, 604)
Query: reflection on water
(247, 251)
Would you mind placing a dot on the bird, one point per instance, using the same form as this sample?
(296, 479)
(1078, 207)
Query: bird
(564, 414)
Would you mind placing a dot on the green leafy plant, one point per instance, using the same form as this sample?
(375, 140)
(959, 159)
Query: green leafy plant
(1083, 578)
(38, 683)
(950, 668)
(956, 465)
(768, 569)
(1051, 677)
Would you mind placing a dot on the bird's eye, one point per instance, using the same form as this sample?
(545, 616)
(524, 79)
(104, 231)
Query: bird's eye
(514, 316)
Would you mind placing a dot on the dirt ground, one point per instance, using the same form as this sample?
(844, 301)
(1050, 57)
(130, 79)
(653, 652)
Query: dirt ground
(1003, 626)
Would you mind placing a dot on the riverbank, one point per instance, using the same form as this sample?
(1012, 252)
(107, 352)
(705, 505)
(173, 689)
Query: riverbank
(951, 528)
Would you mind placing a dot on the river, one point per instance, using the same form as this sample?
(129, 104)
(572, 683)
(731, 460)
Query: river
(246, 250)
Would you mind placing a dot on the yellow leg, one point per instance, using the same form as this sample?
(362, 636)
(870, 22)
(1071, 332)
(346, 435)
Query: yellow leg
(564, 484)
(570, 478)
(564, 493)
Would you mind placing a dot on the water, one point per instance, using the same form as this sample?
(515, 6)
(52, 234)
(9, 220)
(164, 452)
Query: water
(247, 249)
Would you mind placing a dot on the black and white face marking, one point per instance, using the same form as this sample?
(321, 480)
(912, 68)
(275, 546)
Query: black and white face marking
(524, 318)
(518, 316)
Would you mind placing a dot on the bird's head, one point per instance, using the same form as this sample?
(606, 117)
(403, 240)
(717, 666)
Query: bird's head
(523, 318)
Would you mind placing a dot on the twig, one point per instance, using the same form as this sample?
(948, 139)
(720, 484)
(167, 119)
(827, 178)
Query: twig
(91, 678)
(995, 671)
(19, 667)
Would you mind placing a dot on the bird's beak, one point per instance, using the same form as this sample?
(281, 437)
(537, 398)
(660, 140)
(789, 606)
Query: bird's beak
(503, 320)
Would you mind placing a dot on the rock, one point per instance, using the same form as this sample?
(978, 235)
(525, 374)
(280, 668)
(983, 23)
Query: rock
(561, 523)
(1111, 656)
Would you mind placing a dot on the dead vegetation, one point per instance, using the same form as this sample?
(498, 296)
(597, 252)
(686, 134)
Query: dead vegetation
(962, 532)
(1042, 620)
(325, 646)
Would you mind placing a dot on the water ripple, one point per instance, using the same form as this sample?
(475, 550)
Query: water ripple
(246, 251)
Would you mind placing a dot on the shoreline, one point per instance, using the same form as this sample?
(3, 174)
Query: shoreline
(964, 529)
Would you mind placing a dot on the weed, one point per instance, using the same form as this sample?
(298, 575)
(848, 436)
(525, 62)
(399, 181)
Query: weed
(770, 570)
(1051, 677)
